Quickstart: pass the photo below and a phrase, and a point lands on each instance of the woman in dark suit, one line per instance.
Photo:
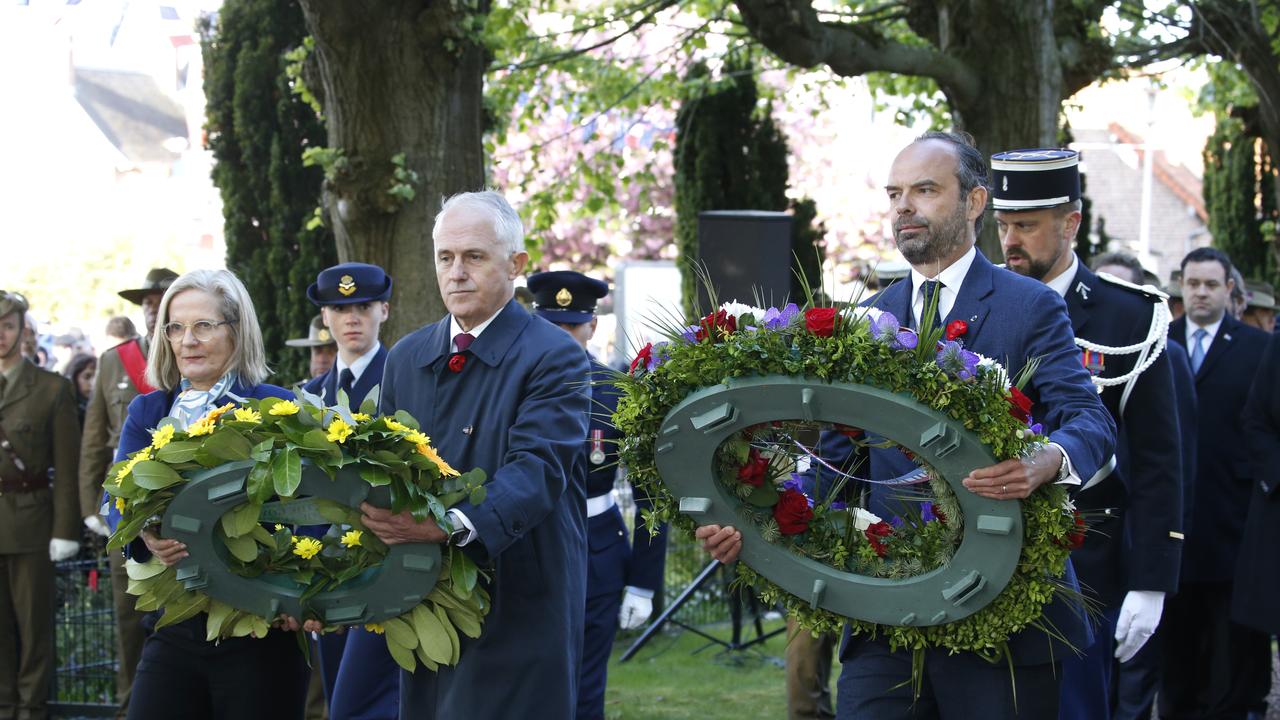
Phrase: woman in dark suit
(207, 351)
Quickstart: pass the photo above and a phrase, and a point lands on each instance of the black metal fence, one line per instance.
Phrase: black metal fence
(84, 684)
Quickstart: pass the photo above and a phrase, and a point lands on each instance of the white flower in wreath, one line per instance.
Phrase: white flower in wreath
(863, 519)
(861, 314)
(737, 310)
(992, 366)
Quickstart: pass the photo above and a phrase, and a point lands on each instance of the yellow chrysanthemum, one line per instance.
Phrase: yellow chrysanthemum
(279, 527)
(203, 426)
(248, 415)
(120, 504)
(375, 628)
(285, 407)
(396, 426)
(417, 438)
(219, 412)
(351, 538)
(339, 431)
(433, 456)
(361, 417)
(307, 547)
(161, 437)
(144, 454)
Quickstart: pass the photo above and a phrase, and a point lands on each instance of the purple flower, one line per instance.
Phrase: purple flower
(926, 512)
(1037, 428)
(956, 361)
(795, 482)
(774, 318)
(895, 521)
(691, 333)
(886, 329)
(839, 505)
(661, 353)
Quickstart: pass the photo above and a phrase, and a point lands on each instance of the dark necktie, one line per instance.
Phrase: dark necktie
(932, 296)
(345, 380)
(463, 341)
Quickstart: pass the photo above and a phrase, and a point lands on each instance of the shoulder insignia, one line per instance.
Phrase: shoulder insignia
(1151, 292)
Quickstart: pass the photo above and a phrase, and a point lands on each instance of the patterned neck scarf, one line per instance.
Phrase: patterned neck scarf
(192, 404)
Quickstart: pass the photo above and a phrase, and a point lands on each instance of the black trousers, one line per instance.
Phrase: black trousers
(237, 679)
(875, 685)
(1214, 669)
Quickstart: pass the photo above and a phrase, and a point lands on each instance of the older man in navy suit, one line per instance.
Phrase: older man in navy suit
(938, 192)
(1214, 667)
(500, 390)
(1130, 558)
(621, 579)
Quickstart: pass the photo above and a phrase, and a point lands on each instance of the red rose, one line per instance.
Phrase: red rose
(849, 432)
(457, 362)
(820, 321)
(792, 512)
(1075, 538)
(754, 471)
(643, 357)
(1021, 405)
(716, 325)
(956, 328)
(874, 534)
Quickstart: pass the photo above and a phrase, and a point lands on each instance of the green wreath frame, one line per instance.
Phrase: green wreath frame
(742, 347)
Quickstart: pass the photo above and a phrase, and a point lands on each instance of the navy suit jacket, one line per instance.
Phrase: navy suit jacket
(1257, 583)
(326, 386)
(518, 409)
(612, 566)
(1013, 320)
(1135, 513)
(1225, 468)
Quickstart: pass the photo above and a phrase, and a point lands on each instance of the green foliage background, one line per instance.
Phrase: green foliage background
(258, 129)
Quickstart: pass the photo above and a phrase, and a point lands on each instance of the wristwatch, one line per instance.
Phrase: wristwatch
(458, 534)
(1064, 470)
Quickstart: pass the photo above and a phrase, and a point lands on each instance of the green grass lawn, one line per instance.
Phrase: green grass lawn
(683, 676)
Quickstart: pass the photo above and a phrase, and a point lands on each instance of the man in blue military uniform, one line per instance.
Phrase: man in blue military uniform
(1130, 559)
(568, 299)
(1213, 666)
(361, 679)
(937, 191)
(502, 391)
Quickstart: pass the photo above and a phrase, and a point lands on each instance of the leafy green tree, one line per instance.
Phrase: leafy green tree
(1234, 197)
(257, 130)
(728, 156)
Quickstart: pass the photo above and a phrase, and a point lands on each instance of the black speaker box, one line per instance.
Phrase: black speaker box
(746, 253)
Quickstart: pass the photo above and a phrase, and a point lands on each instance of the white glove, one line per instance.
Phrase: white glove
(636, 608)
(1139, 616)
(60, 550)
(97, 525)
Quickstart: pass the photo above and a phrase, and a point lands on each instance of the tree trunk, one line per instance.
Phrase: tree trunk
(1014, 50)
(399, 76)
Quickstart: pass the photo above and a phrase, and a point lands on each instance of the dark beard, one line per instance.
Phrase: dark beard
(935, 243)
(1035, 269)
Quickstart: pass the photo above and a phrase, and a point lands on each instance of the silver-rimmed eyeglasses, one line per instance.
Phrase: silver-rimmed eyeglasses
(201, 330)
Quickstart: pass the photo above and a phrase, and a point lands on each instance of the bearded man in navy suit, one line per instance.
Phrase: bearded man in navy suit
(938, 191)
(498, 389)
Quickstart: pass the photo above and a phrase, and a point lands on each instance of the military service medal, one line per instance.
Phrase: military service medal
(597, 446)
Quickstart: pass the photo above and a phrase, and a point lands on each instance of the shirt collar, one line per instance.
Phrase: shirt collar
(951, 277)
(455, 329)
(358, 367)
(11, 375)
(1211, 330)
(1062, 283)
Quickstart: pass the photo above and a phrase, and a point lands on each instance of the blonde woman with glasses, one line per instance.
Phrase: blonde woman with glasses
(207, 351)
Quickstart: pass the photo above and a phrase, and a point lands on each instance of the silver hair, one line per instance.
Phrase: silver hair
(508, 230)
(248, 359)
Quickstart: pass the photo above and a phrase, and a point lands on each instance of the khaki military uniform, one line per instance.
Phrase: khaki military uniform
(108, 406)
(38, 414)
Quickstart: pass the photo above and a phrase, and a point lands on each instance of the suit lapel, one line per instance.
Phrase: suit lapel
(970, 305)
(896, 299)
(21, 386)
(1079, 302)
